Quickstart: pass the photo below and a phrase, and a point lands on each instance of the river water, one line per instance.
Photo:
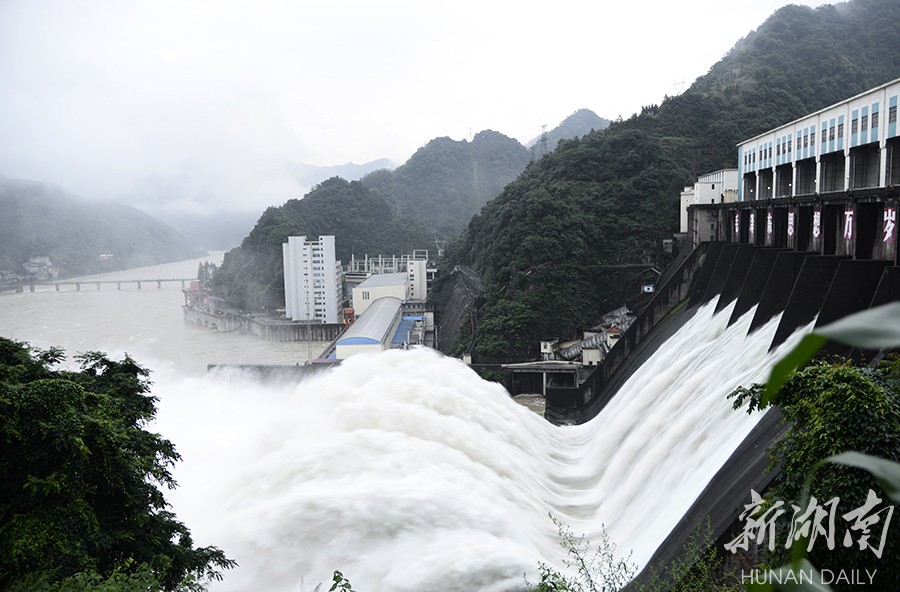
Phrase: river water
(404, 469)
(146, 323)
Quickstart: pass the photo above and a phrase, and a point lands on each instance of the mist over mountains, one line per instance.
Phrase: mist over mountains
(80, 236)
(434, 193)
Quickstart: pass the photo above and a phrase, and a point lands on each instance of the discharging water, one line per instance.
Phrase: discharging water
(405, 470)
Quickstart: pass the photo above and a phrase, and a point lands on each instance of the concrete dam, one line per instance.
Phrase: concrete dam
(826, 259)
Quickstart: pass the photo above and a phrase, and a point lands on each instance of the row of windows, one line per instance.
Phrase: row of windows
(862, 124)
(828, 134)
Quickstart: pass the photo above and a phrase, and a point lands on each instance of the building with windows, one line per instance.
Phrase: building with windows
(824, 183)
(380, 285)
(716, 187)
(420, 271)
(313, 280)
(851, 145)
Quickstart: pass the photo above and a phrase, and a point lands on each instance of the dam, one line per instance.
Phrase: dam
(406, 471)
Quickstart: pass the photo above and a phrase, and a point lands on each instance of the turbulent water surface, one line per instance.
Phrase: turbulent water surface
(404, 469)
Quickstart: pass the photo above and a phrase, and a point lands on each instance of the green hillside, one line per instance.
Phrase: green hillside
(252, 275)
(601, 199)
(577, 124)
(447, 181)
(40, 220)
(433, 195)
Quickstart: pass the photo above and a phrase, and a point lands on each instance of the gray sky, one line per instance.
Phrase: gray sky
(193, 103)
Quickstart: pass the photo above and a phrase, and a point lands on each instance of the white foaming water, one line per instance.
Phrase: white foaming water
(406, 471)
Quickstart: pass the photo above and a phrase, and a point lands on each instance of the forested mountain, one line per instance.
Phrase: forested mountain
(447, 181)
(600, 199)
(38, 220)
(252, 275)
(388, 212)
(575, 125)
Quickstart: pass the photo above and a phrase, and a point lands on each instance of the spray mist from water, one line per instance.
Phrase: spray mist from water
(408, 472)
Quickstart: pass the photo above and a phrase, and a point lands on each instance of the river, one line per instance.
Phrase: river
(146, 323)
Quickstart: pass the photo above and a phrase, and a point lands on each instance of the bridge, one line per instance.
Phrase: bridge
(118, 283)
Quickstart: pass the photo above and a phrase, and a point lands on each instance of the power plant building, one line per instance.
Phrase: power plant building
(313, 280)
(380, 285)
(716, 187)
(848, 146)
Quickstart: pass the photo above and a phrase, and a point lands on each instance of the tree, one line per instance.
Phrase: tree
(80, 493)
(842, 448)
(833, 408)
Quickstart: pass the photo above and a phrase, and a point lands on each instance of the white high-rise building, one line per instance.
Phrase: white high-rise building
(313, 280)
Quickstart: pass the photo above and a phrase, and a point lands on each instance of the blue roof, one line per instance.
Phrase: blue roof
(401, 336)
(372, 326)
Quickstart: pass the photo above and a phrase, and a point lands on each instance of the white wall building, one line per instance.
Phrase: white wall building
(417, 271)
(853, 144)
(717, 187)
(312, 280)
(378, 286)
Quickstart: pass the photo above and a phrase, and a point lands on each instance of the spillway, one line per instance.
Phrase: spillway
(408, 472)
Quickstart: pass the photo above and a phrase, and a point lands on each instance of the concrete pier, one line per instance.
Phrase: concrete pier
(777, 288)
(268, 329)
(755, 281)
(737, 272)
(807, 295)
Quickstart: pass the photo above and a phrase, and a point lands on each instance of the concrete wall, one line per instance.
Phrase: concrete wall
(269, 331)
(364, 296)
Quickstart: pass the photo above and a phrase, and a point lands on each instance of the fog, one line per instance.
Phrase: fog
(178, 108)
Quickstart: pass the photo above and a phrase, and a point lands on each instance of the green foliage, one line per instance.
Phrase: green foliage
(870, 329)
(81, 474)
(697, 569)
(139, 579)
(39, 220)
(887, 473)
(602, 199)
(538, 246)
(446, 181)
(837, 411)
(833, 409)
(340, 583)
(597, 568)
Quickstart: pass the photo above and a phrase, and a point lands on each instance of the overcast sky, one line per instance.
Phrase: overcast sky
(194, 103)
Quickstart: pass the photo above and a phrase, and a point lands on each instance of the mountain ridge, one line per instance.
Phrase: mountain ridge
(604, 198)
(43, 220)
